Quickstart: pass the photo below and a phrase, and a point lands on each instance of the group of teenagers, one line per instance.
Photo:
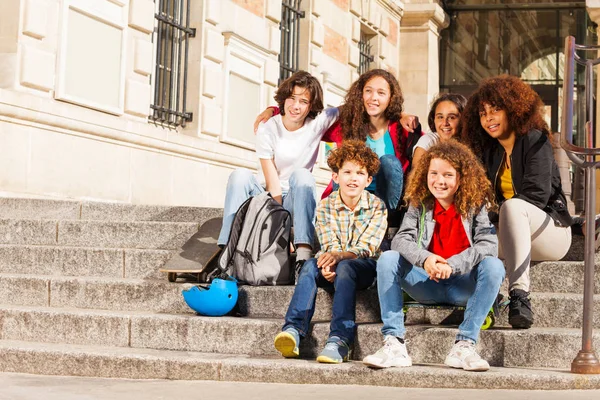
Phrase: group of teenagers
(481, 186)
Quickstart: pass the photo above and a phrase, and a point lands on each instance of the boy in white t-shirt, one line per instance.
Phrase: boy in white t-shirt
(287, 147)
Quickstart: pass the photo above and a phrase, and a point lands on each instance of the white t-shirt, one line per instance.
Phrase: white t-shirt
(292, 150)
(427, 141)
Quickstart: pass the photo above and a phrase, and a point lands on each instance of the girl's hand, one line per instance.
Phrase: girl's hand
(408, 122)
(263, 117)
(433, 267)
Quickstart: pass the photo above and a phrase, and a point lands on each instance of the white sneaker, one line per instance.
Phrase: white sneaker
(392, 354)
(463, 355)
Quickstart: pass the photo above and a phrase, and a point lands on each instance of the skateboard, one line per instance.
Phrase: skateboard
(198, 256)
(488, 323)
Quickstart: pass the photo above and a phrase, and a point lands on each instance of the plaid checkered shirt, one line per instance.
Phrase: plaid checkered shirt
(359, 231)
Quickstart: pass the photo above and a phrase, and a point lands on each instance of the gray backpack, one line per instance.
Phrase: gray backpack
(258, 249)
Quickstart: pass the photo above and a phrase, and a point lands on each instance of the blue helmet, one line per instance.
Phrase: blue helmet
(215, 300)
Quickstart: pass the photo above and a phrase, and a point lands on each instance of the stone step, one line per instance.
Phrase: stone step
(26, 208)
(128, 363)
(551, 309)
(138, 235)
(536, 348)
(83, 261)
(559, 277)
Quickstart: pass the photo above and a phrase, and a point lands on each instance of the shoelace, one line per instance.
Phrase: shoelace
(524, 301)
(467, 348)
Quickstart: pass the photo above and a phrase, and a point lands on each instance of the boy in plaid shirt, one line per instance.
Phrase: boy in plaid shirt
(351, 224)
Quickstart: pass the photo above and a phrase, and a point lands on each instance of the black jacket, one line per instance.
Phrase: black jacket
(535, 175)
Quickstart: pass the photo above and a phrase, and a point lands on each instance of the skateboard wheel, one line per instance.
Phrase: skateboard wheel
(203, 277)
(489, 322)
(172, 276)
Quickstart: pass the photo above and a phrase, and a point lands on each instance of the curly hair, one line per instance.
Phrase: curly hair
(474, 188)
(353, 116)
(457, 99)
(357, 152)
(304, 80)
(523, 106)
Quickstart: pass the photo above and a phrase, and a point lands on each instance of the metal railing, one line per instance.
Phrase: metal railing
(170, 81)
(586, 361)
(290, 36)
(366, 58)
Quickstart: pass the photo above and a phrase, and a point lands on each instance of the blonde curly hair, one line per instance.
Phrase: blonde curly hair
(474, 190)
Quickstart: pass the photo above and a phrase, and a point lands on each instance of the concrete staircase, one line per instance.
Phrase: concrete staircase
(80, 294)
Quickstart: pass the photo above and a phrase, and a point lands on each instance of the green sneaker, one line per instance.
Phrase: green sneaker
(335, 351)
(287, 343)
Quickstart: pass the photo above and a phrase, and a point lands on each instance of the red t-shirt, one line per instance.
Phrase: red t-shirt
(449, 236)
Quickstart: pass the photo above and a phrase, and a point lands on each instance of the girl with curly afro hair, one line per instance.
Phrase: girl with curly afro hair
(444, 253)
(503, 122)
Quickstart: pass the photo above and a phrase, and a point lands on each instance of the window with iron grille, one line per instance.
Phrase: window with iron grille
(172, 35)
(366, 58)
(290, 37)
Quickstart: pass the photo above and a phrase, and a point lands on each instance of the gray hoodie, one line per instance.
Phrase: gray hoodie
(418, 225)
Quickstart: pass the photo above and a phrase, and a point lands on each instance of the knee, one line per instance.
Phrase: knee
(302, 178)
(493, 269)
(239, 178)
(389, 162)
(511, 206)
(344, 270)
(388, 263)
(309, 268)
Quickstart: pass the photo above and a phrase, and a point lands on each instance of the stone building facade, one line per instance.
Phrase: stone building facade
(78, 79)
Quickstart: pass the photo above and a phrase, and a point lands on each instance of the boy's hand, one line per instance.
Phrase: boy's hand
(328, 273)
(263, 117)
(437, 268)
(328, 260)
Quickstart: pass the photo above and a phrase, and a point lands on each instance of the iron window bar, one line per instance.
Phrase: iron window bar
(586, 361)
(290, 36)
(172, 48)
(365, 58)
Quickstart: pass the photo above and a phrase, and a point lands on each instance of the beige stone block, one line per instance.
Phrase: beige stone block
(8, 66)
(356, 7)
(355, 30)
(35, 18)
(213, 11)
(211, 117)
(335, 45)
(385, 26)
(185, 171)
(353, 56)
(212, 82)
(14, 142)
(213, 45)
(141, 15)
(271, 71)
(137, 98)
(274, 10)
(256, 7)
(315, 56)
(274, 39)
(75, 166)
(150, 178)
(355, 75)
(317, 34)
(37, 68)
(319, 7)
(142, 59)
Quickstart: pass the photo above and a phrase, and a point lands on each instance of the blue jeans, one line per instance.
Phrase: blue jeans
(351, 275)
(389, 181)
(300, 201)
(476, 290)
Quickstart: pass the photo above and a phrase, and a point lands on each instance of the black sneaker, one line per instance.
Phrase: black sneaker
(520, 315)
(297, 267)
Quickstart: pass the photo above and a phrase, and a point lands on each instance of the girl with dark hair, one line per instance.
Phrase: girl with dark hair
(444, 122)
(287, 147)
(372, 112)
(504, 124)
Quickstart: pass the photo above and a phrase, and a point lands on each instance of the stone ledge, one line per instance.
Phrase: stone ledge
(45, 359)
